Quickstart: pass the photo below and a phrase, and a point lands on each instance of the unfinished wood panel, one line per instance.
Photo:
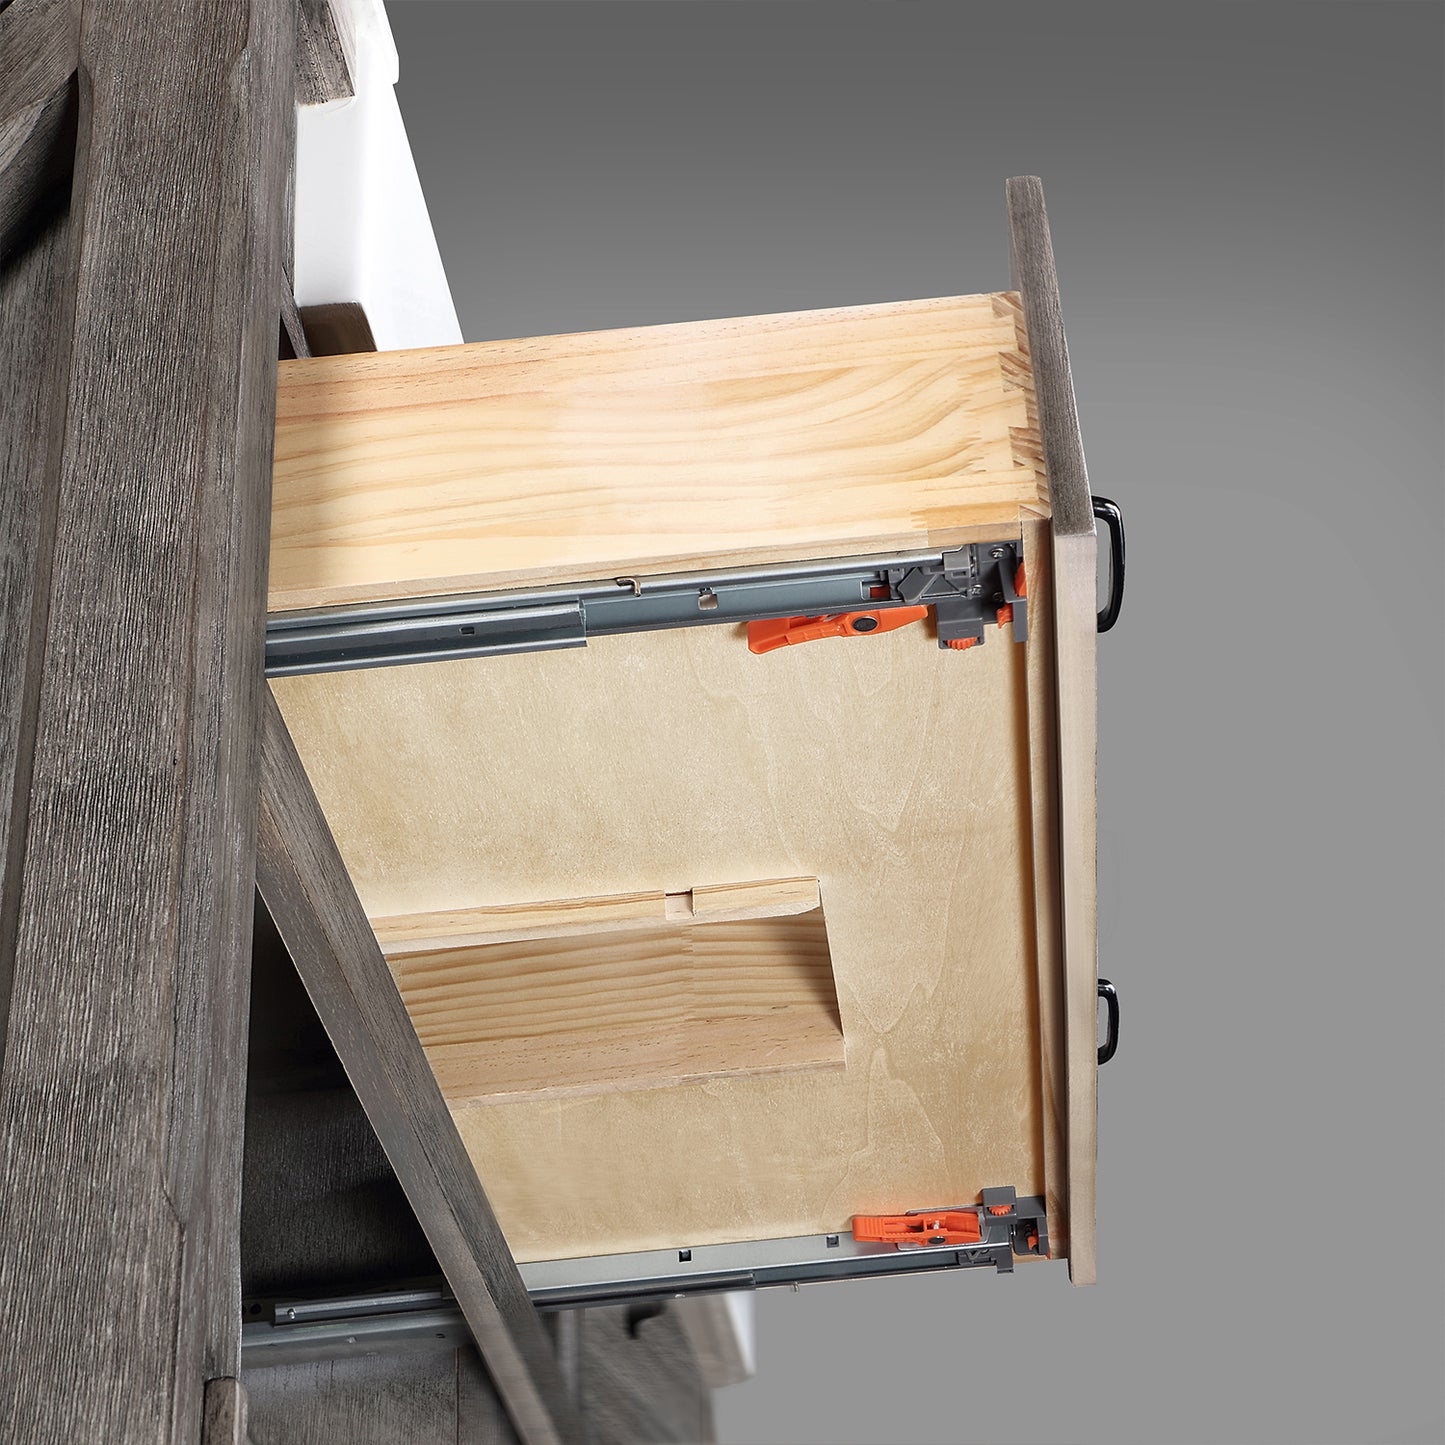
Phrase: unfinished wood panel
(638, 1003)
(559, 917)
(811, 434)
(305, 886)
(120, 1089)
(1048, 943)
(892, 771)
(1073, 562)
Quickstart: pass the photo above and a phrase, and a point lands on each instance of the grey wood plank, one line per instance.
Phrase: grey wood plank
(1037, 281)
(481, 1420)
(402, 1399)
(120, 1109)
(37, 158)
(224, 1420)
(35, 293)
(40, 42)
(641, 1386)
(325, 51)
(293, 333)
(205, 1165)
(306, 889)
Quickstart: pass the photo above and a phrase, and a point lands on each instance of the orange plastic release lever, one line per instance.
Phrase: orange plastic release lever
(947, 1226)
(779, 632)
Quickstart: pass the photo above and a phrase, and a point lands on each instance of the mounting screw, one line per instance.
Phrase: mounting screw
(997, 553)
(975, 591)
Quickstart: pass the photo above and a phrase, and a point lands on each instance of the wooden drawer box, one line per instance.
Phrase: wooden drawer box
(708, 946)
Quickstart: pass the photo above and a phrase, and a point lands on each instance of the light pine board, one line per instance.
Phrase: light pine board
(1075, 564)
(893, 772)
(559, 917)
(714, 443)
(625, 1007)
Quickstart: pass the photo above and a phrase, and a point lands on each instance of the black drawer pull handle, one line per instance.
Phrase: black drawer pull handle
(1110, 1046)
(1109, 514)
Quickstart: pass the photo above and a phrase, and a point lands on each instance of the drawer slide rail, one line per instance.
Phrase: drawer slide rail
(966, 586)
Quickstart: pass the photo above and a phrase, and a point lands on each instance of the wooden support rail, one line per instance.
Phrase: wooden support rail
(304, 884)
(137, 395)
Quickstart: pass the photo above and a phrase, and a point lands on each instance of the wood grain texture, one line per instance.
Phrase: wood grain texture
(325, 51)
(309, 895)
(40, 43)
(1037, 284)
(139, 832)
(35, 292)
(223, 1421)
(628, 1007)
(1073, 562)
(641, 1382)
(1043, 786)
(396, 1399)
(293, 334)
(37, 158)
(642, 1386)
(561, 917)
(892, 771)
(813, 434)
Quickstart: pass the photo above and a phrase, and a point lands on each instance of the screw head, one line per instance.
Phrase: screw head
(998, 553)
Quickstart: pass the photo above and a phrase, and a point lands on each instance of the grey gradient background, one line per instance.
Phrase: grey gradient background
(1246, 202)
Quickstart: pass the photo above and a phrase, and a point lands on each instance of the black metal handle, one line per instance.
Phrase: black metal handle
(1110, 1046)
(1109, 514)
